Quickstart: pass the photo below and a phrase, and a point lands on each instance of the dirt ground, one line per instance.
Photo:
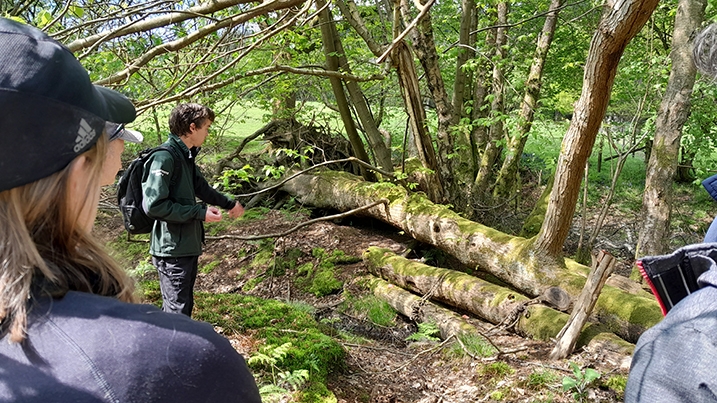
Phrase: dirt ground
(388, 369)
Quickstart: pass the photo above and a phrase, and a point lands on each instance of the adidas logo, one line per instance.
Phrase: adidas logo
(84, 135)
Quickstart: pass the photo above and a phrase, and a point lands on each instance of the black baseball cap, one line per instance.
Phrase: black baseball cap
(50, 112)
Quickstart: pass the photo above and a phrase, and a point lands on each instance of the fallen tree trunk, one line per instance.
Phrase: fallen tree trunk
(419, 310)
(511, 259)
(491, 302)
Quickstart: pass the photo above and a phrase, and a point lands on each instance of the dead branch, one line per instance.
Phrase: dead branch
(304, 224)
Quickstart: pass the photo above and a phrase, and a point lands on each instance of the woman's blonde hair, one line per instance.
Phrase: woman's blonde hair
(45, 249)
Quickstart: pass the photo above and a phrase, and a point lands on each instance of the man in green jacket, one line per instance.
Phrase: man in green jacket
(170, 197)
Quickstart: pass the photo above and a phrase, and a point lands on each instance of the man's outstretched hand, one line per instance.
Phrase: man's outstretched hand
(237, 211)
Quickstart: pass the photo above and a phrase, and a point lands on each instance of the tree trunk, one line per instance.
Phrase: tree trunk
(466, 51)
(496, 132)
(620, 23)
(507, 181)
(332, 64)
(408, 79)
(375, 139)
(420, 310)
(454, 173)
(511, 259)
(491, 302)
(674, 111)
(482, 87)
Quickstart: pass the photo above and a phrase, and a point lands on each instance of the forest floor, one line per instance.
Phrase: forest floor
(383, 366)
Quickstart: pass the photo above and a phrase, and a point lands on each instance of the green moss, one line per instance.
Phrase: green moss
(496, 370)
(209, 267)
(618, 384)
(265, 255)
(288, 261)
(542, 322)
(217, 227)
(476, 345)
(320, 278)
(255, 213)
(317, 392)
(325, 283)
(249, 285)
(276, 323)
(377, 310)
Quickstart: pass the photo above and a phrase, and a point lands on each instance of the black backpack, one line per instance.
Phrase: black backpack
(129, 191)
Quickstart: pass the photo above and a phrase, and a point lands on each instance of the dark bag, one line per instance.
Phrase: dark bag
(710, 185)
(673, 277)
(129, 191)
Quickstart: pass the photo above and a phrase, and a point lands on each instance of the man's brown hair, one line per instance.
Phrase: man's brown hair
(183, 115)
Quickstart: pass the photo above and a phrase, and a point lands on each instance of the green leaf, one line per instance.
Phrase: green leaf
(43, 18)
(591, 375)
(77, 11)
(569, 383)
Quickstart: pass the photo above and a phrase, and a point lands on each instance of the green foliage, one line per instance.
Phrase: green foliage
(476, 345)
(217, 227)
(288, 261)
(375, 309)
(209, 267)
(129, 253)
(150, 292)
(579, 383)
(270, 357)
(142, 269)
(617, 383)
(320, 278)
(255, 213)
(265, 253)
(498, 369)
(426, 332)
(231, 180)
(541, 378)
(277, 323)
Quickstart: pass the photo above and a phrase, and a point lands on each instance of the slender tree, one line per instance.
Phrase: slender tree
(674, 111)
(620, 22)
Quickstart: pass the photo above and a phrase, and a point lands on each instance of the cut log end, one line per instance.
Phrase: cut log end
(557, 298)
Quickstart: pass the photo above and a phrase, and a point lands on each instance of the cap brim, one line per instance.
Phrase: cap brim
(133, 136)
(114, 107)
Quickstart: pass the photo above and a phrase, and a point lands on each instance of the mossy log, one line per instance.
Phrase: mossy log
(511, 259)
(448, 322)
(488, 301)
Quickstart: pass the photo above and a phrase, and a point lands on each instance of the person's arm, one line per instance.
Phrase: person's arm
(158, 172)
(210, 195)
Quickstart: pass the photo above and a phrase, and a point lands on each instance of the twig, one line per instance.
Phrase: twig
(399, 38)
(304, 224)
(427, 351)
(349, 159)
(375, 348)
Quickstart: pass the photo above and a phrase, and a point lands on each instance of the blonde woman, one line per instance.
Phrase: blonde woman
(70, 330)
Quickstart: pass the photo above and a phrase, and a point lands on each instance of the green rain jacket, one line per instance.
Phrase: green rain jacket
(179, 229)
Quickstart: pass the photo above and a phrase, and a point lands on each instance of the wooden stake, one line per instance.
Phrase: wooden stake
(602, 266)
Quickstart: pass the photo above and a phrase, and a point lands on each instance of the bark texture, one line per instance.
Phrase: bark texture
(513, 260)
(674, 111)
(507, 181)
(493, 303)
(620, 22)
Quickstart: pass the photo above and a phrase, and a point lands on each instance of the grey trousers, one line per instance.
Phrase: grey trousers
(176, 280)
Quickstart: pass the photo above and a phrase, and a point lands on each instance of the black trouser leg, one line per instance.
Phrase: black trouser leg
(176, 280)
